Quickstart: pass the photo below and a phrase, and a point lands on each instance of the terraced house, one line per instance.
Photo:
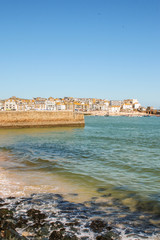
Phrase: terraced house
(69, 104)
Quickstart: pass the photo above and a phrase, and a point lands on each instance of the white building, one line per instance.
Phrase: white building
(50, 105)
(105, 106)
(114, 109)
(136, 104)
(127, 106)
(1, 105)
(60, 106)
(10, 105)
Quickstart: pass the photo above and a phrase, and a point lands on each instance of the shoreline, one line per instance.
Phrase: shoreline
(126, 114)
(50, 216)
(56, 216)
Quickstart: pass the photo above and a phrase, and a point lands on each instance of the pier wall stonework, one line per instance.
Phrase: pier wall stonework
(24, 119)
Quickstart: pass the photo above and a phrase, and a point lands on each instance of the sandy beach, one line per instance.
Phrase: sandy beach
(127, 114)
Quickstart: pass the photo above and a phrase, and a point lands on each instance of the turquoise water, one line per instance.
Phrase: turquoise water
(118, 156)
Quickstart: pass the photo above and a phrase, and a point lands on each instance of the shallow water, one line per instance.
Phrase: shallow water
(111, 158)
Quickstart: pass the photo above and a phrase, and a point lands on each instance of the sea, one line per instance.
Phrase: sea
(112, 163)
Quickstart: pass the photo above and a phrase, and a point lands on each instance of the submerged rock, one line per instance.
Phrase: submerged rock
(101, 189)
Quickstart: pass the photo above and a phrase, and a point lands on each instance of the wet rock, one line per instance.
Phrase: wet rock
(3, 204)
(56, 235)
(67, 237)
(5, 213)
(43, 230)
(7, 224)
(62, 230)
(36, 215)
(83, 217)
(71, 224)
(11, 234)
(108, 236)
(21, 222)
(98, 225)
(56, 225)
(73, 229)
(37, 225)
(10, 198)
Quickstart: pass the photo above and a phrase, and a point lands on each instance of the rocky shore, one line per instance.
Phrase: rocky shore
(50, 216)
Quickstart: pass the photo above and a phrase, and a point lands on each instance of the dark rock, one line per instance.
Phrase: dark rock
(43, 230)
(94, 198)
(67, 237)
(62, 230)
(108, 236)
(32, 212)
(101, 189)
(7, 224)
(98, 225)
(37, 225)
(36, 215)
(58, 196)
(73, 194)
(5, 213)
(75, 223)
(11, 234)
(73, 229)
(56, 225)
(21, 222)
(3, 204)
(11, 197)
(83, 217)
(56, 235)
(106, 195)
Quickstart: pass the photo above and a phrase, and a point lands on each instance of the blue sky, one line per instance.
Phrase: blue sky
(81, 48)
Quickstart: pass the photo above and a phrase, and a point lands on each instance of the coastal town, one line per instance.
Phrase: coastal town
(90, 106)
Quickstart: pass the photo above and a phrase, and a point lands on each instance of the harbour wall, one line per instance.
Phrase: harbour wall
(25, 119)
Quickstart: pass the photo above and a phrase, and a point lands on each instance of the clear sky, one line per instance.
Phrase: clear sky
(80, 48)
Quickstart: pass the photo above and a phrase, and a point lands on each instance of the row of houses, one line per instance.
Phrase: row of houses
(68, 103)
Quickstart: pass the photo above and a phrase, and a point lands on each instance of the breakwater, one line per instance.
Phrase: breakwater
(27, 119)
